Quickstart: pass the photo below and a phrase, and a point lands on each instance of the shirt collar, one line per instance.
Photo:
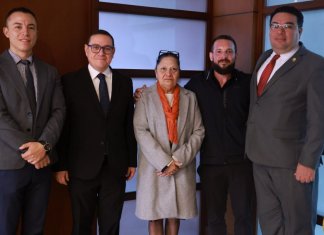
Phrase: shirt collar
(17, 59)
(286, 55)
(93, 72)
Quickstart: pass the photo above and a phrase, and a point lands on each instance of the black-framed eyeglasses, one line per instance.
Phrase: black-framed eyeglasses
(166, 52)
(95, 48)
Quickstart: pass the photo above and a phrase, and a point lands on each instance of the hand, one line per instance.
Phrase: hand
(35, 152)
(170, 170)
(62, 177)
(138, 93)
(130, 173)
(304, 174)
(43, 163)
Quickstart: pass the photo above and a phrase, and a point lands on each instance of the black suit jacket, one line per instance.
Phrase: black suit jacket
(86, 130)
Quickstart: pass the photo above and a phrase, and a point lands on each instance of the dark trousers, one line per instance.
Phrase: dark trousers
(24, 194)
(104, 196)
(237, 181)
(284, 205)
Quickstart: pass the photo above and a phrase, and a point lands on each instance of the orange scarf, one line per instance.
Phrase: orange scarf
(171, 113)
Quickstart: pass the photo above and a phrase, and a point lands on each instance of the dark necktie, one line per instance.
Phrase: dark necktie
(30, 86)
(266, 74)
(103, 93)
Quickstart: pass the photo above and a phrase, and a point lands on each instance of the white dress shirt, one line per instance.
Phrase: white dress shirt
(280, 61)
(94, 73)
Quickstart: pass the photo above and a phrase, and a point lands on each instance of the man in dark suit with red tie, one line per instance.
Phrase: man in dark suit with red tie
(97, 148)
(285, 131)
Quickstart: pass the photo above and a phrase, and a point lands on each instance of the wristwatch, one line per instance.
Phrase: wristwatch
(47, 146)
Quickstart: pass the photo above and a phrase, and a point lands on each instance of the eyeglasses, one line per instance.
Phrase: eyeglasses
(107, 50)
(165, 52)
(276, 26)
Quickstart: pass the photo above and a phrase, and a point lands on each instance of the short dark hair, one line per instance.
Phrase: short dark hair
(291, 10)
(103, 32)
(19, 9)
(164, 53)
(226, 37)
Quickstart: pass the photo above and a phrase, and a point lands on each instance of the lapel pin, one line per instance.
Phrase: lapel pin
(294, 59)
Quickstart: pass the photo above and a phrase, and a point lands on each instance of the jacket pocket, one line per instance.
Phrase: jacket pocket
(286, 134)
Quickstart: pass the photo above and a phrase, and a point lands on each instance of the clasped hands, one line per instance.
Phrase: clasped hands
(35, 154)
(171, 169)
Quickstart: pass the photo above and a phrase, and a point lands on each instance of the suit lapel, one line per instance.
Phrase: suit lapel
(254, 81)
(88, 89)
(14, 75)
(160, 116)
(261, 61)
(281, 71)
(183, 112)
(116, 83)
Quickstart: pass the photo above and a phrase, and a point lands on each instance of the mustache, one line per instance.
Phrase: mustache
(224, 60)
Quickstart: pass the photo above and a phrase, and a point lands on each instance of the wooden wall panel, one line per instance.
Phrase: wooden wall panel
(238, 19)
(230, 7)
(241, 28)
(63, 27)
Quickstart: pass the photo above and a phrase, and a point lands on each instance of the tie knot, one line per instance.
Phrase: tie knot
(25, 62)
(101, 76)
(275, 57)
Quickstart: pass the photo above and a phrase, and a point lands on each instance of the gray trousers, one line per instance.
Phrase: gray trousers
(284, 205)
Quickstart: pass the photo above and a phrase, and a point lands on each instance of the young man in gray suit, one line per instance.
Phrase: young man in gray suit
(285, 132)
(32, 113)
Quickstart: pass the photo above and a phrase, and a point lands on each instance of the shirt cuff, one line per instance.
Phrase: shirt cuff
(177, 162)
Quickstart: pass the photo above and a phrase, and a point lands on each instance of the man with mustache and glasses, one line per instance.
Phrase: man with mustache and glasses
(223, 98)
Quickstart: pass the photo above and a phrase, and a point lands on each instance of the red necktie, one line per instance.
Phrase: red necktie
(266, 74)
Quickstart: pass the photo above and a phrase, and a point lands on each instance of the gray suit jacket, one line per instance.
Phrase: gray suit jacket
(286, 123)
(16, 119)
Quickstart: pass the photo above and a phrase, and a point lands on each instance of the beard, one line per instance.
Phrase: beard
(226, 70)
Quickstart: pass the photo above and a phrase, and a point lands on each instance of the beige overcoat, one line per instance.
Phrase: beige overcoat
(169, 196)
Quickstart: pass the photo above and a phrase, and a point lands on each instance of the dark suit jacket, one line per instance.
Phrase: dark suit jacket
(286, 123)
(82, 145)
(16, 118)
